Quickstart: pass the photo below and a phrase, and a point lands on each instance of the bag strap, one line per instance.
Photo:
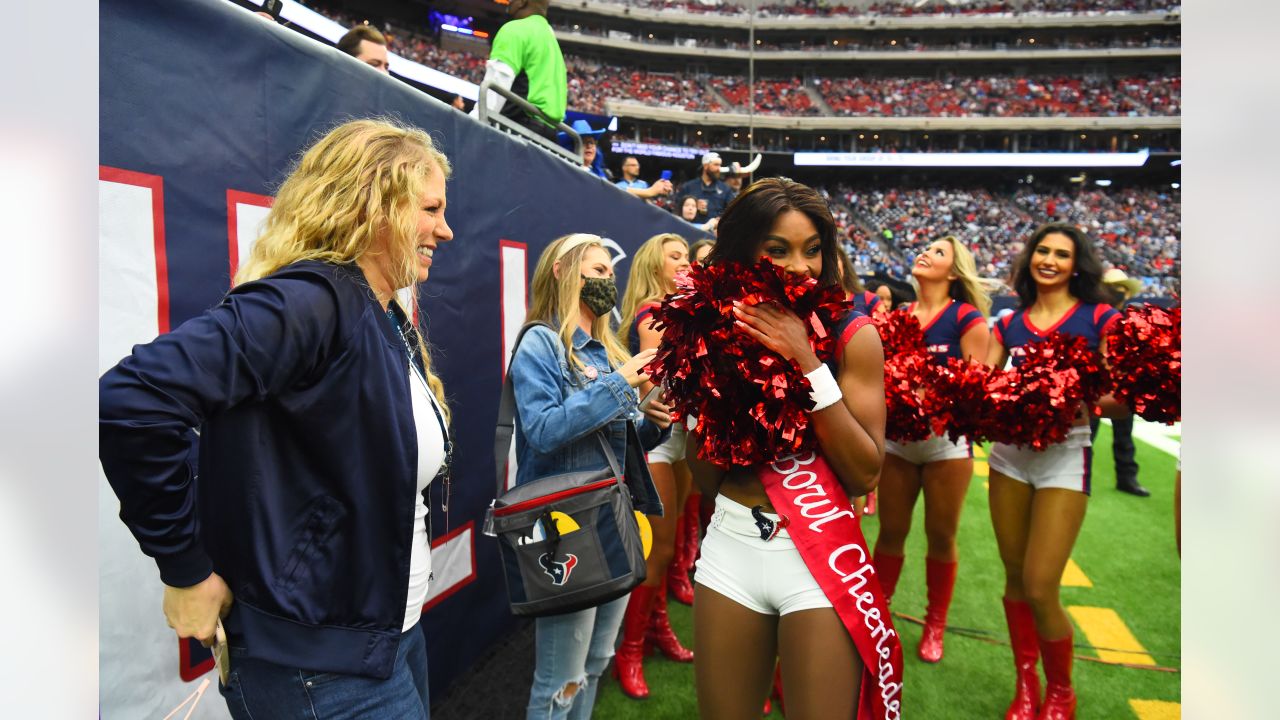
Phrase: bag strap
(507, 420)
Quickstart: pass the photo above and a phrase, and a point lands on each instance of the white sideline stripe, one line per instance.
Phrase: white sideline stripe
(451, 563)
(1156, 435)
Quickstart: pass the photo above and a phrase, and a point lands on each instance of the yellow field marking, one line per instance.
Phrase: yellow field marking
(981, 469)
(1108, 633)
(978, 452)
(986, 486)
(1073, 576)
(1156, 709)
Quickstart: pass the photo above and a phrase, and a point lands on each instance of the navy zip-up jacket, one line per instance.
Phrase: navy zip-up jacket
(308, 456)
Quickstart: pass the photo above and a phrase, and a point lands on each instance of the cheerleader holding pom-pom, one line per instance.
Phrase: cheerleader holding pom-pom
(951, 309)
(1038, 497)
(787, 384)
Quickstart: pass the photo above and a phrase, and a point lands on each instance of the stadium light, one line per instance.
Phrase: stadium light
(971, 159)
(1175, 186)
(1102, 183)
(1175, 163)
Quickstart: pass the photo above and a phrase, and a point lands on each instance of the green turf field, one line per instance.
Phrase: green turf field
(1126, 551)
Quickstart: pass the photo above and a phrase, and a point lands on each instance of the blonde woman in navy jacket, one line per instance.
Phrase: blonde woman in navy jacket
(321, 427)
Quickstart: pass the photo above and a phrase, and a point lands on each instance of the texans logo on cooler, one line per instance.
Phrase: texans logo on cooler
(558, 570)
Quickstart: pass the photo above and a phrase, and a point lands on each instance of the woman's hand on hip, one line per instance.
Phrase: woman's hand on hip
(779, 330)
(633, 369)
(194, 611)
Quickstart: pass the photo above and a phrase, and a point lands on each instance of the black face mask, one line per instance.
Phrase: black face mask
(600, 294)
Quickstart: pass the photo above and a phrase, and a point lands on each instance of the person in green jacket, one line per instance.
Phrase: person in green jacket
(525, 58)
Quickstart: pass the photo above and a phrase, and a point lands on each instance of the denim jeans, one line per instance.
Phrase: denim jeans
(573, 648)
(260, 690)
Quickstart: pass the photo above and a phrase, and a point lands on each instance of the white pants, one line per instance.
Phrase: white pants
(768, 577)
(936, 448)
(671, 451)
(1065, 465)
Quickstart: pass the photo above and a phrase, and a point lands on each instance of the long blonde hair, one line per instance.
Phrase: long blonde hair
(646, 283)
(967, 287)
(360, 178)
(556, 299)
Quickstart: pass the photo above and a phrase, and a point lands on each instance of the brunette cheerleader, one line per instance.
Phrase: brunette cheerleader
(1038, 498)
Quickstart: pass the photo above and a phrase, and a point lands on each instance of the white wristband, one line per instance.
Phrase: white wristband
(826, 391)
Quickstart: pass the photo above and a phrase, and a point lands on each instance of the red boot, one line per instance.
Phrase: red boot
(777, 689)
(686, 550)
(940, 579)
(661, 635)
(628, 665)
(1026, 655)
(888, 568)
(870, 509)
(1059, 698)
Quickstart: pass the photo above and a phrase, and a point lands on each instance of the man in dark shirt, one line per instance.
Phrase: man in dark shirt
(708, 186)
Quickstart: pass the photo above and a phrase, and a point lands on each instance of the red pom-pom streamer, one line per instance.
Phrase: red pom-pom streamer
(957, 400)
(1036, 403)
(752, 405)
(1145, 351)
(908, 368)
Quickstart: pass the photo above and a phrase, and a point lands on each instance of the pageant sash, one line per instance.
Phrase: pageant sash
(822, 523)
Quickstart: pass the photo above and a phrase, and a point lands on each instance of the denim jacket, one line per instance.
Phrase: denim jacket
(558, 410)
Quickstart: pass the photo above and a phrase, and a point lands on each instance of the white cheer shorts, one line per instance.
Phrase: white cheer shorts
(765, 576)
(935, 449)
(1065, 465)
(671, 451)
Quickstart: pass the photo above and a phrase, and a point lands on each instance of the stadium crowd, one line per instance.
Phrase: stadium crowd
(882, 41)
(912, 8)
(592, 83)
(1139, 230)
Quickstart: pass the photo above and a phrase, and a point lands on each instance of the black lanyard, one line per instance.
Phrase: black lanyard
(444, 474)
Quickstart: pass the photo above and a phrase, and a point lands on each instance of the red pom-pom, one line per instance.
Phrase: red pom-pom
(957, 398)
(752, 405)
(1145, 351)
(907, 370)
(1036, 403)
(900, 333)
(905, 376)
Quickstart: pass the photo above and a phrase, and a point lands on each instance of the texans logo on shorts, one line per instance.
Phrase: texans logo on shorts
(768, 528)
(558, 570)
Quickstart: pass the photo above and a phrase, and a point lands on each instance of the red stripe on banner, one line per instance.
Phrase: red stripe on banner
(805, 492)
(470, 578)
(234, 198)
(155, 184)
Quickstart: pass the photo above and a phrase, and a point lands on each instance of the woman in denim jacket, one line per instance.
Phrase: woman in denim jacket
(566, 388)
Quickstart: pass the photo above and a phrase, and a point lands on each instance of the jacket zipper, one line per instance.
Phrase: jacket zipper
(547, 499)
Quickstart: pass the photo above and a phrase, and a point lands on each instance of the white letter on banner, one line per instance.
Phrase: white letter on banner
(246, 217)
(513, 268)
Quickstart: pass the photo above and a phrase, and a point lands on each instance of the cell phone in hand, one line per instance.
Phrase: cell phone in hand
(221, 653)
(666, 175)
(650, 397)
